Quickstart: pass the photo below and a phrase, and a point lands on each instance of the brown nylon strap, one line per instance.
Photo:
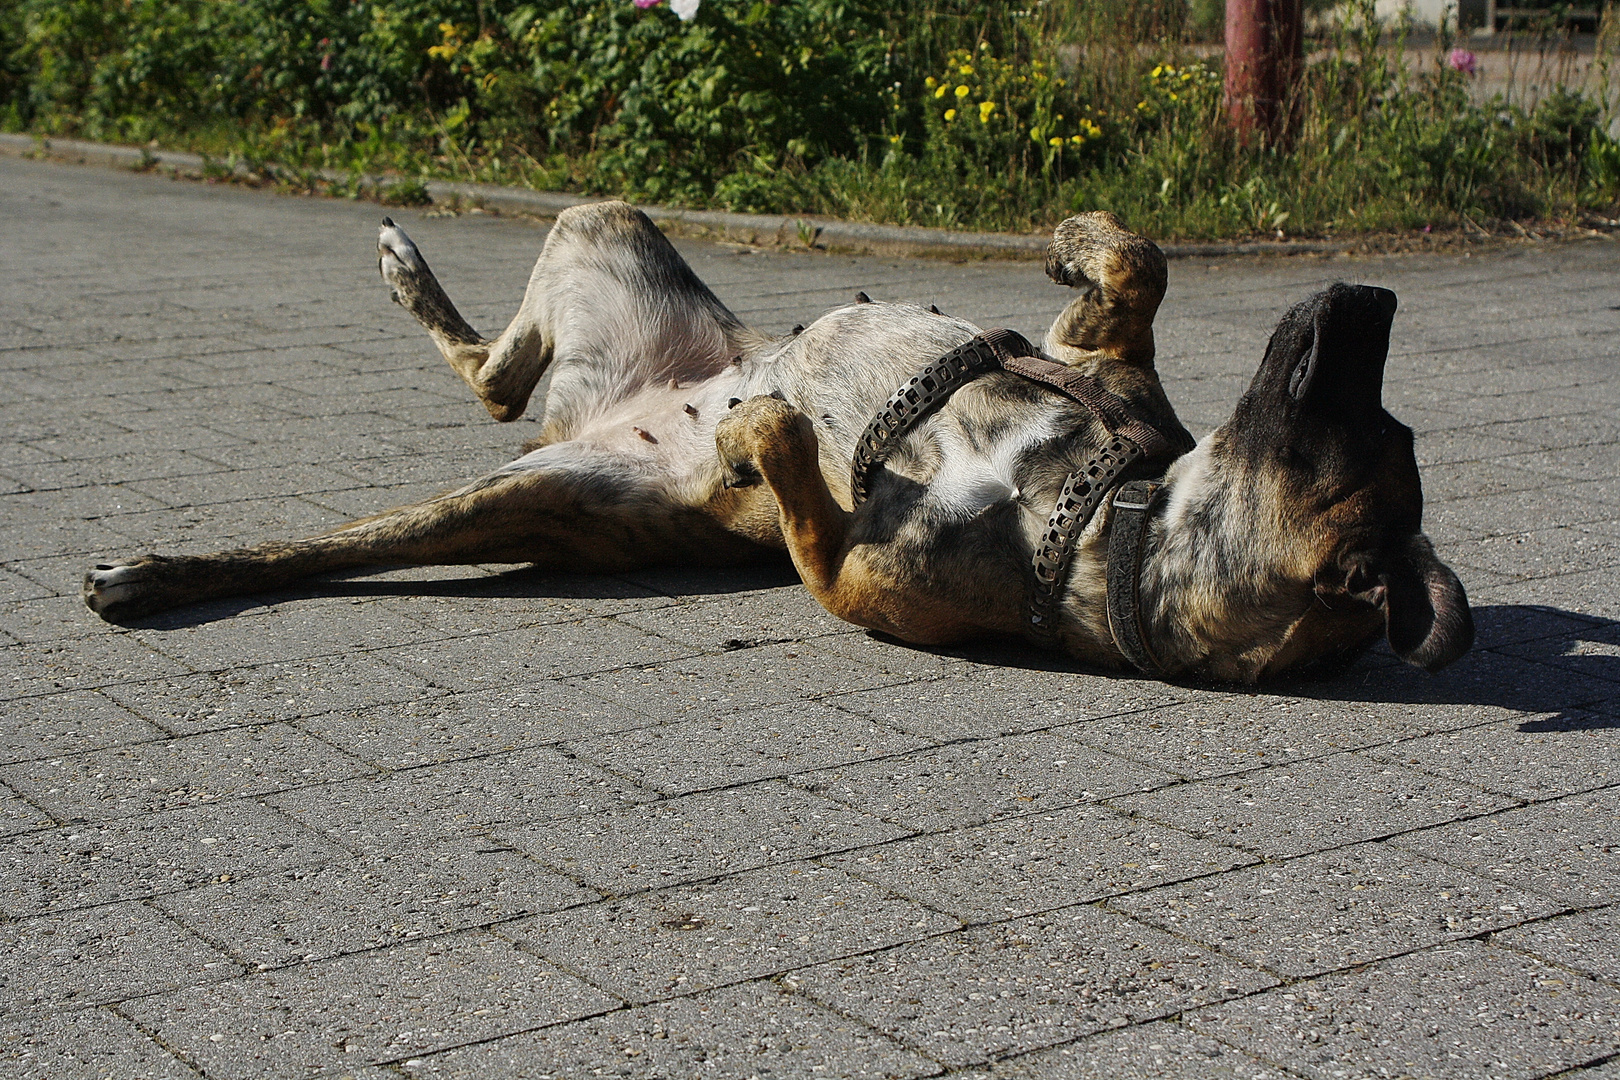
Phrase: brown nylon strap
(923, 393)
(1104, 404)
(1131, 441)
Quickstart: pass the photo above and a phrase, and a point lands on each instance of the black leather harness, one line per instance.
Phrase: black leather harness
(1132, 442)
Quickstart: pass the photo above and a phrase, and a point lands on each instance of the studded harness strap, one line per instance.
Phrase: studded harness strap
(1132, 440)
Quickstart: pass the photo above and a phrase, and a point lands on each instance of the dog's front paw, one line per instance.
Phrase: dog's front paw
(119, 591)
(753, 434)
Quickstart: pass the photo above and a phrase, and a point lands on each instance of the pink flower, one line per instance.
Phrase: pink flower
(645, 4)
(1459, 59)
(326, 62)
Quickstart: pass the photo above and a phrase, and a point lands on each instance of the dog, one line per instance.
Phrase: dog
(1288, 540)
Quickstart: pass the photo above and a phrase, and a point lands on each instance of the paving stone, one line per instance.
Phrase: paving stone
(386, 1005)
(1481, 686)
(710, 685)
(85, 1044)
(60, 724)
(129, 858)
(407, 808)
(1463, 1009)
(983, 701)
(291, 690)
(19, 815)
(1316, 804)
(150, 776)
(29, 670)
(1162, 1050)
(1231, 734)
(1589, 592)
(448, 726)
(696, 754)
(1543, 553)
(517, 599)
(743, 1032)
(1565, 848)
(697, 836)
(1022, 985)
(354, 904)
(1590, 652)
(967, 783)
(746, 619)
(1588, 941)
(1528, 759)
(688, 938)
(1036, 862)
(1334, 909)
(289, 632)
(522, 657)
(100, 954)
(191, 380)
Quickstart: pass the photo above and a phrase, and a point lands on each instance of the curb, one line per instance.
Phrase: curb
(774, 230)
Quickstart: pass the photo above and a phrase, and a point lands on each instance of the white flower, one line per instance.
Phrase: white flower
(686, 9)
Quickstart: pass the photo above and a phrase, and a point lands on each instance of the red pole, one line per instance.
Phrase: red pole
(1262, 61)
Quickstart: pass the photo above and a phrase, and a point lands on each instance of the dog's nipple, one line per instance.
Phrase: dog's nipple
(935, 310)
(690, 410)
(673, 385)
(797, 330)
(862, 298)
(645, 434)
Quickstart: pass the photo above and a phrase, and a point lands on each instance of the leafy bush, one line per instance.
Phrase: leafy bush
(949, 112)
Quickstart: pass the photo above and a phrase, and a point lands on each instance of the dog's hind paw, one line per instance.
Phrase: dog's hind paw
(400, 262)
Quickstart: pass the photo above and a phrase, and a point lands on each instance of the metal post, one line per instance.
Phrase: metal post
(1262, 63)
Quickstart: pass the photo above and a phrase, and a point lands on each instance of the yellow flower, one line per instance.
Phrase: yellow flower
(950, 114)
(894, 140)
(1157, 72)
(985, 109)
(966, 69)
(1076, 139)
(961, 91)
(940, 92)
(1056, 140)
(930, 82)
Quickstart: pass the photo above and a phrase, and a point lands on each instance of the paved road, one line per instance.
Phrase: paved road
(482, 822)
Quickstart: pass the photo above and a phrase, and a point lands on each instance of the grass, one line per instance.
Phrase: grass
(968, 116)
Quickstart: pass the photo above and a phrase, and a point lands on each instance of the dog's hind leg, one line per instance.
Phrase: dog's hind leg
(611, 306)
(568, 508)
(1121, 278)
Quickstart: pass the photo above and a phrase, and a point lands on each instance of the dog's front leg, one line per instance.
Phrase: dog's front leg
(764, 439)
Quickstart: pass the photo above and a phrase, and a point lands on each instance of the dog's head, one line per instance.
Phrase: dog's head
(1308, 511)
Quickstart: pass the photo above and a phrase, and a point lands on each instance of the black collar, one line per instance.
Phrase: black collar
(1133, 509)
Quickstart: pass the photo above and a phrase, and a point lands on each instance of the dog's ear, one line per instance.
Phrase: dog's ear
(1426, 615)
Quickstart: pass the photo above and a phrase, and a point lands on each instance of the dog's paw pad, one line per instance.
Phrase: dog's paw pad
(109, 585)
(397, 256)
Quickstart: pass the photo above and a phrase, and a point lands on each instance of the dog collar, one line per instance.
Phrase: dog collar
(1132, 440)
(1133, 509)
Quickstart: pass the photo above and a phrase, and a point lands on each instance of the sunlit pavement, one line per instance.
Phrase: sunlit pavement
(483, 822)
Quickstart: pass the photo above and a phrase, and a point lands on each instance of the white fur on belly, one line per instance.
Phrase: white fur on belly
(971, 481)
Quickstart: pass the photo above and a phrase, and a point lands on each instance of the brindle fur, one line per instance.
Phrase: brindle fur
(672, 433)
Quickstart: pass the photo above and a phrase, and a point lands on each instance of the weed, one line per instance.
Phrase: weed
(953, 113)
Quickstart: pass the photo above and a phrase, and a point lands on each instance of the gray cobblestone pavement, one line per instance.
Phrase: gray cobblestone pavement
(483, 822)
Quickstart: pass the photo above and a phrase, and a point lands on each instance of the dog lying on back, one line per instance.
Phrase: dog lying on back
(1287, 539)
